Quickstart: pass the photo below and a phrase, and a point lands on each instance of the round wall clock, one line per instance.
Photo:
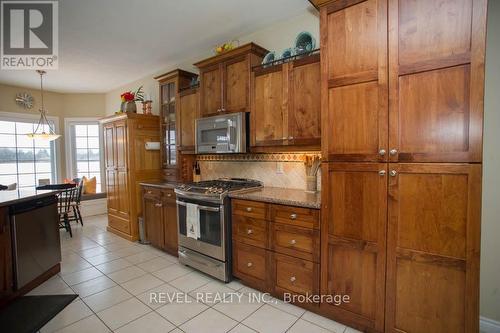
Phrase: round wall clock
(24, 100)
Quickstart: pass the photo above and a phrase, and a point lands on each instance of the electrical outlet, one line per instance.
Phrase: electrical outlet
(279, 168)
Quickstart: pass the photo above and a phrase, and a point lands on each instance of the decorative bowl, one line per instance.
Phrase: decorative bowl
(287, 53)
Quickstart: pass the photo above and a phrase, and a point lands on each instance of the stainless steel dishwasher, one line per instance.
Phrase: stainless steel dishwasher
(35, 238)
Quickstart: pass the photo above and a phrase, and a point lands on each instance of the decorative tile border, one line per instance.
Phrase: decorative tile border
(270, 157)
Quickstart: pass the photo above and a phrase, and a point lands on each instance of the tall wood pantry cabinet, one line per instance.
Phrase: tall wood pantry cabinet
(402, 103)
(127, 163)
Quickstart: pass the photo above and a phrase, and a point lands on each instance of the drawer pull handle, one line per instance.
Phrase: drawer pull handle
(149, 192)
(293, 216)
(293, 242)
(169, 195)
(158, 205)
(249, 209)
(249, 264)
(292, 279)
(249, 231)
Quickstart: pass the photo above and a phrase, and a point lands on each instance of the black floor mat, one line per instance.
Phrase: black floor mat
(28, 314)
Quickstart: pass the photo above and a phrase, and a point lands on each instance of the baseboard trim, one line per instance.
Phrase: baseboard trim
(487, 325)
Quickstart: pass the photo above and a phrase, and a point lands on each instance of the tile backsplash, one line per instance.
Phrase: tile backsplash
(293, 176)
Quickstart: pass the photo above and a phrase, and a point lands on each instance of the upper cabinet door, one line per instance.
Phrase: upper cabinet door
(433, 245)
(189, 102)
(269, 127)
(354, 80)
(236, 85)
(304, 111)
(211, 90)
(436, 74)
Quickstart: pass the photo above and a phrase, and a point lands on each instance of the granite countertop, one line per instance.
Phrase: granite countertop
(161, 184)
(21, 195)
(283, 196)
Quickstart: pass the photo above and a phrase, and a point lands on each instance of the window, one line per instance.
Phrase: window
(85, 151)
(23, 160)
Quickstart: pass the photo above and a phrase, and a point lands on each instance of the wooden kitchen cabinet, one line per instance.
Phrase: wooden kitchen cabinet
(432, 74)
(354, 241)
(152, 214)
(172, 129)
(286, 105)
(225, 80)
(354, 88)
(6, 274)
(127, 163)
(433, 244)
(169, 217)
(436, 78)
(160, 218)
(189, 111)
(402, 89)
(276, 247)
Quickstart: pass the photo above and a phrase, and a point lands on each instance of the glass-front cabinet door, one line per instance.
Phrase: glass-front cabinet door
(168, 116)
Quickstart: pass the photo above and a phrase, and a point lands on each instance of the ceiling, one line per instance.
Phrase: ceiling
(105, 44)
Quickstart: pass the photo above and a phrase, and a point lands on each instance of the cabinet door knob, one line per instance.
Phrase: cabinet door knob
(381, 172)
(293, 242)
(249, 209)
(393, 152)
(393, 173)
(290, 138)
(249, 231)
(249, 264)
(293, 216)
(149, 192)
(292, 279)
(158, 204)
(169, 195)
(381, 152)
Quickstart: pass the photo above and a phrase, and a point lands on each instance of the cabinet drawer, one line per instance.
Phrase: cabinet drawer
(250, 208)
(295, 275)
(298, 216)
(119, 224)
(296, 241)
(170, 174)
(168, 194)
(249, 261)
(152, 192)
(250, 231)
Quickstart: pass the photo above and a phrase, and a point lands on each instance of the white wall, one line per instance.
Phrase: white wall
(490, 233)
(276, 37)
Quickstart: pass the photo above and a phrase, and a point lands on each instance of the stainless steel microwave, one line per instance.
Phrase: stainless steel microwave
(222, 134)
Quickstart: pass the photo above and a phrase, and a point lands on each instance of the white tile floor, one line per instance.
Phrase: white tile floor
(114, 279)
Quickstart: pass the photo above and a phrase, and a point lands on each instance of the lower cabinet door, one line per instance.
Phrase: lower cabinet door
(170, 231)
(433, 248)
(353, 231)
(294, 275)
(153, 221)
(251, 265)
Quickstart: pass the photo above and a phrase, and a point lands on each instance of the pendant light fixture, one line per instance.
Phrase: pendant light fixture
(43, 123)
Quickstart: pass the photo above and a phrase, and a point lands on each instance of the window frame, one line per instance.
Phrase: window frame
(70, 146)
(25, 117)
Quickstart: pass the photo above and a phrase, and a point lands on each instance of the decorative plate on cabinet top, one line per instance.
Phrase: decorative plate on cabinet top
(269, 58)
(304, 42)
(24, 100)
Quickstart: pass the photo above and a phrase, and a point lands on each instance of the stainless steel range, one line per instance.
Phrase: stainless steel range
(203, 218)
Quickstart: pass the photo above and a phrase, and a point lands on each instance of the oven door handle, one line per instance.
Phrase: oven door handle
(200, 207)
